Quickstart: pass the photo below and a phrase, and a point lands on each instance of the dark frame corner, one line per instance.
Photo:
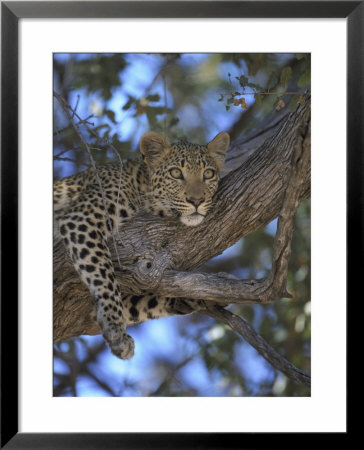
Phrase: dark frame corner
(11, 12)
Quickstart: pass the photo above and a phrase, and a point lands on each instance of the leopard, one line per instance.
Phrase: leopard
(175, 180)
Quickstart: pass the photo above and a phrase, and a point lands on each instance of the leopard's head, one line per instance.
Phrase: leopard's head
(183, 177)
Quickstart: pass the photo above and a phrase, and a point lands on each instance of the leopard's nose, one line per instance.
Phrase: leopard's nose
(195, 201)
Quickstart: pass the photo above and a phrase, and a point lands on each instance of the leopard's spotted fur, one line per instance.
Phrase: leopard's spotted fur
(175, 180)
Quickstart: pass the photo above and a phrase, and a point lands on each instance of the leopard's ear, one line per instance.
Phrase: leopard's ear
(217, 148)
(154, 148)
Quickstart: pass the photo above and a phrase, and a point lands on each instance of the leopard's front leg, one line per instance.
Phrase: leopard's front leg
(91, 258)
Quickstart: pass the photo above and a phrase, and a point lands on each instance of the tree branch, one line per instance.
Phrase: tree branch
(244, 329)
(276, 282)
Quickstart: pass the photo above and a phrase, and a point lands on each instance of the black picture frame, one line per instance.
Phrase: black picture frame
(11, 12)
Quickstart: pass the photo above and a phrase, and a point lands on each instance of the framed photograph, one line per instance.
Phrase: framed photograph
(178, 189)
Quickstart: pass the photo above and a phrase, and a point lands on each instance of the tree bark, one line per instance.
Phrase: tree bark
(159, 254)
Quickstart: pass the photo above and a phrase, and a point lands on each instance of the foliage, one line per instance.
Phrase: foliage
(186, 96)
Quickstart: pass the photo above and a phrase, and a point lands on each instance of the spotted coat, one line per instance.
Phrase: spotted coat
(169, 180)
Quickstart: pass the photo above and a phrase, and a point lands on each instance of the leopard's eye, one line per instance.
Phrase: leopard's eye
(208, 174)
(176, 173)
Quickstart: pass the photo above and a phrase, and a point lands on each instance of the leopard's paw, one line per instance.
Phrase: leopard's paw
(122, 347)
(120, 343)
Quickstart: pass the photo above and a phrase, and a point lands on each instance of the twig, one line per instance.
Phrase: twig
(64, 158)
(76, 106)
(62, 130)
(68, 150)
(160, 72)
(169, 377)
(165, 105)
(270, 93)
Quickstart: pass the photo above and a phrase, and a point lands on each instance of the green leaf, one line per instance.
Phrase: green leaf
(255, 86)
(286, 75)
(111, 116)
(153, 97)
(115, 140)
(173, 121)
(243, 80)
(221, 98)
(305, 79)
(157, 110)
(106, 135)
(129, 103)
(100, 127)
(230, 100)
(227, 107)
